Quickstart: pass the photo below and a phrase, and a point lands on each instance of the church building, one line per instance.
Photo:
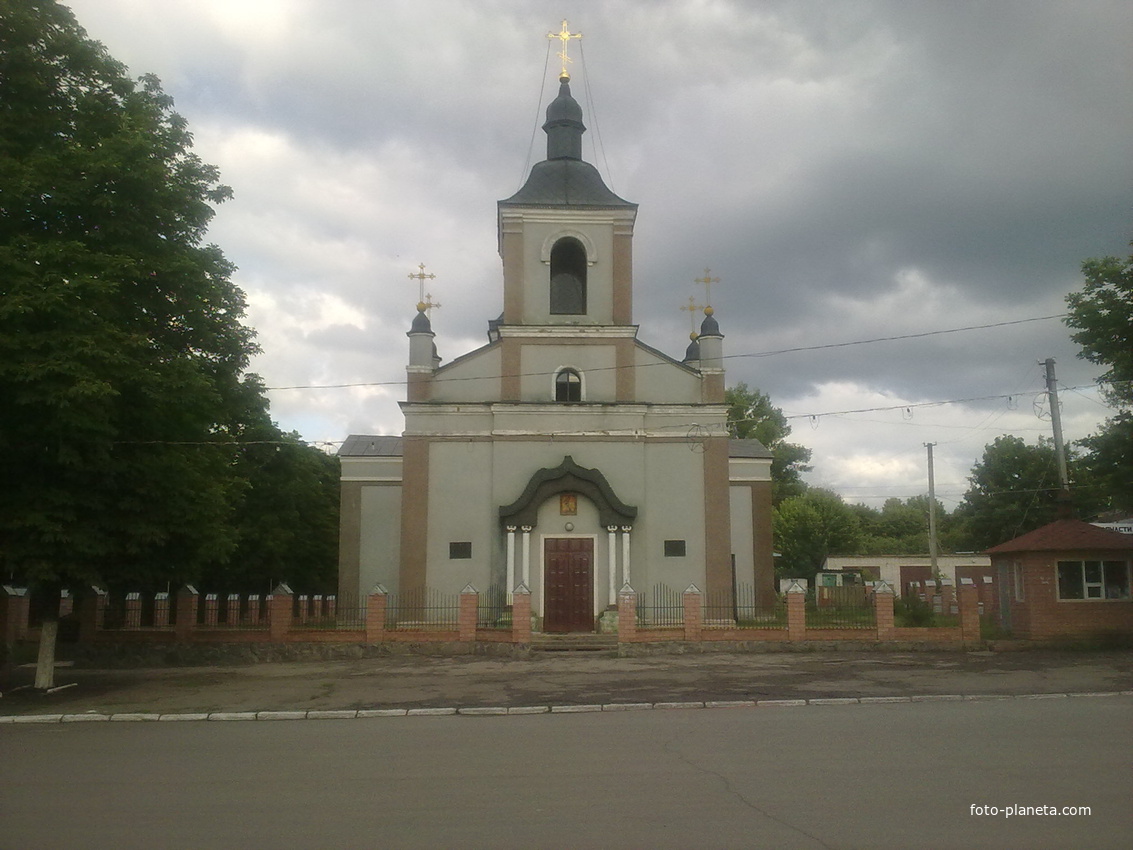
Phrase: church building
(565, 455)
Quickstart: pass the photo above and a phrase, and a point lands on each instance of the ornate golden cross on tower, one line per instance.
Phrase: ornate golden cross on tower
(564, 35)
(426, 304)
(421, 277)
(707, 281)
(691, 309)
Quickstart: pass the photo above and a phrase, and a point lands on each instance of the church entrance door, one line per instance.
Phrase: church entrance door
(568, 584)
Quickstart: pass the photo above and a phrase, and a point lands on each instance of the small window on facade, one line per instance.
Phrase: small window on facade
(568, 386)
(460, 550)
(568, 278)
(674, 548)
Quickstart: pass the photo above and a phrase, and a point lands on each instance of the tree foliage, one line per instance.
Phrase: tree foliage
(810, 527)
(130, 431)
(1014, 489)
(1102, 313)
(752, 416)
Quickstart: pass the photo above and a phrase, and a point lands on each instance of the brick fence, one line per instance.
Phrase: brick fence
(283, 618)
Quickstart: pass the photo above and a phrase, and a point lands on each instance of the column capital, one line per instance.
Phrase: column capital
(613, 529)
(626, 529)
(511, 529)
(527, 529)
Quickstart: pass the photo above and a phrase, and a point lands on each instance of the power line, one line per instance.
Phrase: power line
(771, 353)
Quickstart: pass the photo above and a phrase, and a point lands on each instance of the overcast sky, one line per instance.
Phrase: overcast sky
(850, 170)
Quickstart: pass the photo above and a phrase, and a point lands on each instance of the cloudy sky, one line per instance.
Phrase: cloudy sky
(850, 170)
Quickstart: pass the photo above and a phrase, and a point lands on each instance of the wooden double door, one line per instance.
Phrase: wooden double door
(568, 584)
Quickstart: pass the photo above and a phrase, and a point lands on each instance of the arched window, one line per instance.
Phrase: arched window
(568, 277)
(568, 386)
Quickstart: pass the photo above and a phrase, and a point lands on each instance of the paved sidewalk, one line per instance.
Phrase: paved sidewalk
(470, 682)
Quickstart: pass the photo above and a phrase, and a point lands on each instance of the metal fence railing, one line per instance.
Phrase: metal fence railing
(494, 609)
(329, 612)
(840, 608)
(417, 610)
(661, 607)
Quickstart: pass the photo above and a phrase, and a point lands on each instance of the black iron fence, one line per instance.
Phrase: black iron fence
(661, 607)
(422, 610)
(493, 609)
(848, 607)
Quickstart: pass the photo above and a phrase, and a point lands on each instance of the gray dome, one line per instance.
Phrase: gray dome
(710, 327)
(421, 324)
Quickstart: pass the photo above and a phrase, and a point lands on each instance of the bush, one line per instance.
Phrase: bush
(912, 611)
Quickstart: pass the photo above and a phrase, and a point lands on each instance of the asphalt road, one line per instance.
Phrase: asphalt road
(410, 681)
(840, 776)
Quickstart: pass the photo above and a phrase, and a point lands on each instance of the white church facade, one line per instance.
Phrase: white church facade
(566, 454)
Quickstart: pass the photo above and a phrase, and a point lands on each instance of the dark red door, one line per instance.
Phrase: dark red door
(568, 584)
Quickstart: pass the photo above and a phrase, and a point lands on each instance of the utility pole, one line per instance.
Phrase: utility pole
(932, 549)
(1056, 421)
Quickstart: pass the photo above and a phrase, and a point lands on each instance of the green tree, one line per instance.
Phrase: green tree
(1014, 489)
(1102, 313)
(122, 350)
(811, 526)
(752, 416)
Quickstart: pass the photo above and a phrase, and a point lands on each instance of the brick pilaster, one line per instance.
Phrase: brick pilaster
(521, 616)
(279, 613)
(796, 615)
(693, 605)
(883, 614)
(466, 620)
(969, 613)
(161, 610)
(376, 615)
(627, 616)
(186, 612)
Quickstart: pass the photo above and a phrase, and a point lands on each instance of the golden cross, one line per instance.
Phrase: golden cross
(707, 281)
(421, 277)
(691, 308)
(427, 303)
(564, 35)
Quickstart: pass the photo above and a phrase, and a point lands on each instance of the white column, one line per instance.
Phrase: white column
(510, 580)
(612, 531)
(527, 556)
(626, 529)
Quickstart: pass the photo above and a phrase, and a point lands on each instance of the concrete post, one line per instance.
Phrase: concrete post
(469, 613)
(969, 614)
(376, 614)
(521, 615)
(693, 605)
(186, 612)
(627, 614)
(279, 613)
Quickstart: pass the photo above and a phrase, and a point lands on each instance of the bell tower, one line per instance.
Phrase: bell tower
(564, 237)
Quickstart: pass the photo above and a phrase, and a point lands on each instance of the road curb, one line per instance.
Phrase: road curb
(501, 711)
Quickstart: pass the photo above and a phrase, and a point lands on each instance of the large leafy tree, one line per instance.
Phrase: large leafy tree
(751, 415)
(122, 352)
(811, 526)
(1014, 489)
(1102, 313)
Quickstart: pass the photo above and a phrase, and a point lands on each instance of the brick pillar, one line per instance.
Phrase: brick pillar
(521, 615)
(133, 610)
(883, 611)
(947, 593)
(186, 612)
(232, 609)
(279, 613)
(796, 612)
(693, 605)
(969, 614)
(376, 614)
(466, 619)
(627, 615)
(210, 609)
(89, 615)
(161, 610)
(14, 616)
(254, 609)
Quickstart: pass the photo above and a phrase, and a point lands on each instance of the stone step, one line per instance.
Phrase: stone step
(574, 643)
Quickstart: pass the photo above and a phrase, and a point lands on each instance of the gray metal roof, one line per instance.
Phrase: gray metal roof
(366, 445)
(570, 182)
(748, 448)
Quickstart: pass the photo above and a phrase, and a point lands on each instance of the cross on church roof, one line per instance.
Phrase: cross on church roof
(421, 277)
(564, 35)
(426, 304)
(707, 280)
(691, 309)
